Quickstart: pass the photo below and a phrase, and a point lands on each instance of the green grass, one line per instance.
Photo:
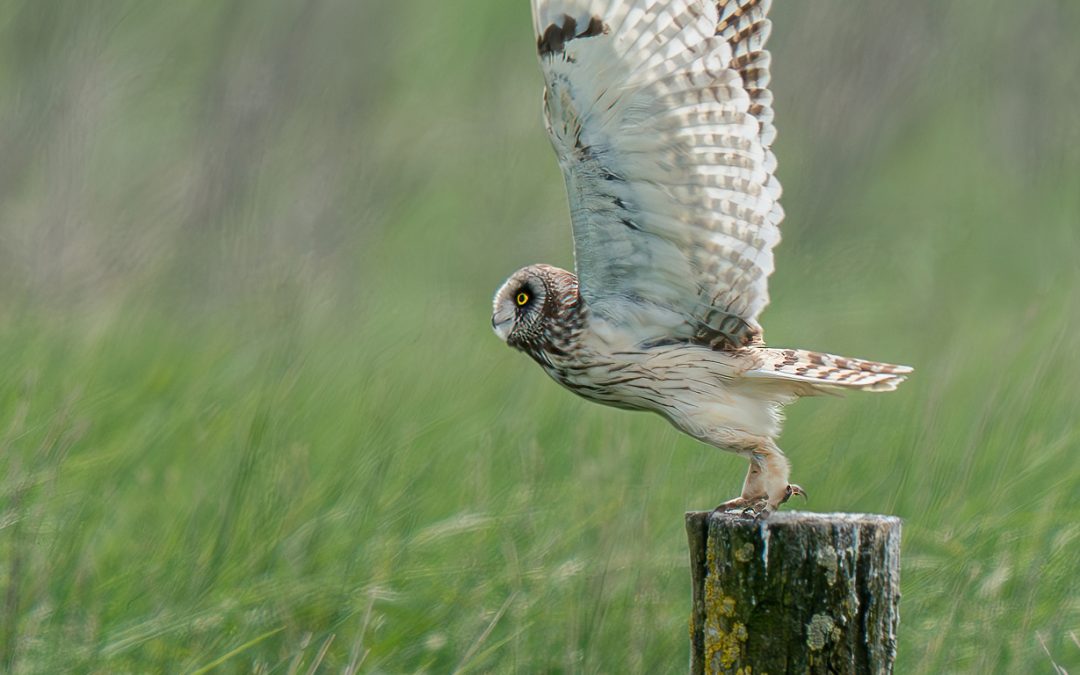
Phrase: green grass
(179, 494)
(268, 427)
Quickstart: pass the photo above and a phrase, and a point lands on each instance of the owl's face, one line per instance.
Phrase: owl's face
(518, 310)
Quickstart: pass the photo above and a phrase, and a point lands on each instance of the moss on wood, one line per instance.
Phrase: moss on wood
(796, 593)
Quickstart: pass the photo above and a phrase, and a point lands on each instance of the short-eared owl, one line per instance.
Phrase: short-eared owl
(662, 120)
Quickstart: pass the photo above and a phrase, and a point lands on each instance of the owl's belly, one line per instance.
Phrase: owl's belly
(696, 389)
(660, 378)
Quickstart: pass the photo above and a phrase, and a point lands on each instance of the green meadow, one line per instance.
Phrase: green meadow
(253, 417)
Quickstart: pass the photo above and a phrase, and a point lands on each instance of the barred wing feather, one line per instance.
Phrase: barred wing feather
(661, 118)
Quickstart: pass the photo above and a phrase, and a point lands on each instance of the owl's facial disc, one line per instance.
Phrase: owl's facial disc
(517, 304)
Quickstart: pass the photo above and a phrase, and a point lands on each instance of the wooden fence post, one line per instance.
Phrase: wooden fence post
(797, 592)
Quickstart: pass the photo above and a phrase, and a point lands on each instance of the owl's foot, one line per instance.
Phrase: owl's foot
(759, 507)
(756, 507)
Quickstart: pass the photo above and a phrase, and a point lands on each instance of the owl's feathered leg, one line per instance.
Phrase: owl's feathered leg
(766, 486)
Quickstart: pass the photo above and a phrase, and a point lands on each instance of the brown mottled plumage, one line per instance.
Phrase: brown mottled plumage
(661, 117)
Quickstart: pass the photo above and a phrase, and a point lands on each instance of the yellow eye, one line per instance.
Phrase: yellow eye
(522, 299)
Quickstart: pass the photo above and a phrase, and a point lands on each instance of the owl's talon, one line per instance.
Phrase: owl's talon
(762, 509)
(794, 490)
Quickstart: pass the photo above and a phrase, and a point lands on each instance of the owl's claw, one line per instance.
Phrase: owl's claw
(794, 490)
(762, 512)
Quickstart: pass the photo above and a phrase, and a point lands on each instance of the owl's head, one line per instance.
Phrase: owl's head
(536, 308)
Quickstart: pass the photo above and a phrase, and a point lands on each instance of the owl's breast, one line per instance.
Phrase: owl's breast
(599, 379)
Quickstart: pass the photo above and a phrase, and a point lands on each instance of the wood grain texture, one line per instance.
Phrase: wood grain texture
(795, 593)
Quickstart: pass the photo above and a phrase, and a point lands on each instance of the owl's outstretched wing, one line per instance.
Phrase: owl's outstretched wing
(661, 118)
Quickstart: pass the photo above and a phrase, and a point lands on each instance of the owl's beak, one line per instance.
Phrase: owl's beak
(501, 323)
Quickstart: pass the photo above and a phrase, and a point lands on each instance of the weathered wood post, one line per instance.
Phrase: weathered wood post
(797, 592)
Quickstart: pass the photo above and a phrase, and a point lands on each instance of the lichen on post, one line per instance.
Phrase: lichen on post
(794, 593)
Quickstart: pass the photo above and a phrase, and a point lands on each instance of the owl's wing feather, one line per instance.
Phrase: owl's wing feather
(661, 117)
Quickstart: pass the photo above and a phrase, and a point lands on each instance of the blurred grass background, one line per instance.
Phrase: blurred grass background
(253, 417)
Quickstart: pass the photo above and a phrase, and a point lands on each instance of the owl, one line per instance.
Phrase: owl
(661, 117)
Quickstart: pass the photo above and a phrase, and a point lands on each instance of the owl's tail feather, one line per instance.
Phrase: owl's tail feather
(828, 371)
